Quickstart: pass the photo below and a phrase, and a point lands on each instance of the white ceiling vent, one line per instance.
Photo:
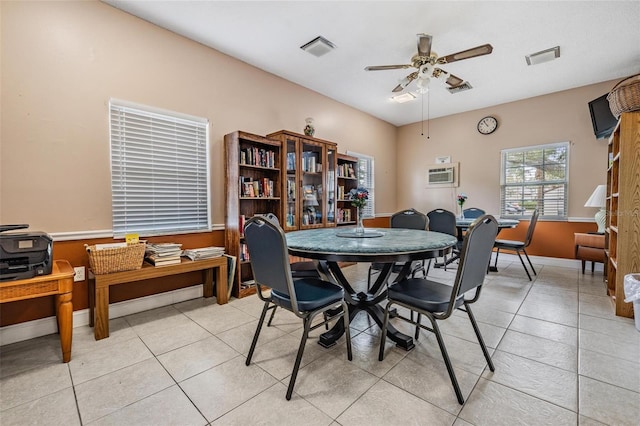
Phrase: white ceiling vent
(319, 46)
(460, 88)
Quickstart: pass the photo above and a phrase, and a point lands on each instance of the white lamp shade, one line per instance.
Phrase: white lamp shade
(597, 199)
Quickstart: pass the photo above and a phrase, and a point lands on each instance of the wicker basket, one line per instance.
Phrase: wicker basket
(625, 96)
(116, 259)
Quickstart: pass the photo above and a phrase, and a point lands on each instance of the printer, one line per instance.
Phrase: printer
(24, 254)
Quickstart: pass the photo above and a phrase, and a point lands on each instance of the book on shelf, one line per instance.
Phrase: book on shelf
(231, 272)
(162, 260)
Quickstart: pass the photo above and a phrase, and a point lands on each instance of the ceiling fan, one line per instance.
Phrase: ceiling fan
(426, 62)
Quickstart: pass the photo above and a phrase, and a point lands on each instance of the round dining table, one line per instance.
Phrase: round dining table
(329, 246)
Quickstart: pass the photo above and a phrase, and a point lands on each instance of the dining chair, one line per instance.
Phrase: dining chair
(305, 297)
(519, 246)
(444, 221)
(437, 301)
(407, 219)
(300, 269)
(472, 213)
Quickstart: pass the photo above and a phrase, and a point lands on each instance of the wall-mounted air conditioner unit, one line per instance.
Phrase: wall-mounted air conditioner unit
(443, 175)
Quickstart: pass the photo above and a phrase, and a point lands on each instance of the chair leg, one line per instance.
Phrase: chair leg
(265, 308)
(523, 265)
(495, 265)
(447, 361)
(529, 260)
(273, 313)
(417, 326)
(472, 318)
(347, 331)
(296, 366)
(427, 270)
(583, 262)
(383, 332)
(593, 267)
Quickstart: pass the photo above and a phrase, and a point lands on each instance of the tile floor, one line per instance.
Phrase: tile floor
(561, 357)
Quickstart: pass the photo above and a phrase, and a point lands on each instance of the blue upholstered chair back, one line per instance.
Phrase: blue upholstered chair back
(269, 256)
(441, 220)
(475, 254)
(532, 227)
(409, 219)
(472, 213)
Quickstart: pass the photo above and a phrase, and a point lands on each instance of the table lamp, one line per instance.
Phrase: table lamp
(597, 199)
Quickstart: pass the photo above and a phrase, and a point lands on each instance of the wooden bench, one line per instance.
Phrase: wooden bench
(99, 286)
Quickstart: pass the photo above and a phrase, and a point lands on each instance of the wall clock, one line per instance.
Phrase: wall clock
(487, 125)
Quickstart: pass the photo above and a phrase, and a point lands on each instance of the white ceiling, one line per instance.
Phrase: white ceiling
(599, 41)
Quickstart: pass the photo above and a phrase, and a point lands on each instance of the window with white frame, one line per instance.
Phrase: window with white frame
(535, 177)
(159, 171)
(366, 178)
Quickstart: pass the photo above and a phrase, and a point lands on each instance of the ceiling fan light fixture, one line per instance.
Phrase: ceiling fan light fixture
(405, 97)
(319, 46)
(543, 56)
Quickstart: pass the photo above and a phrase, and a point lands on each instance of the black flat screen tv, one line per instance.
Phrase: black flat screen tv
(601, 118)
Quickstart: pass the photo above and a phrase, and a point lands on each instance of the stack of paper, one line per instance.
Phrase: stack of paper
(160, 254)
(203, 253)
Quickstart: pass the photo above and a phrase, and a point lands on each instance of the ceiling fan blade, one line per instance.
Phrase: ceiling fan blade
(405, 82)
(424, 45)
(387, 67)
(454, 81)
(485, 49)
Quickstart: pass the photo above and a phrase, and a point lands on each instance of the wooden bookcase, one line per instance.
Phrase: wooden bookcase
(253, 184)
(347, 173)
(623, 208)
(308, 181)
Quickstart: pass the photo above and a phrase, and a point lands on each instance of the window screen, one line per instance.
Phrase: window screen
(159, 171)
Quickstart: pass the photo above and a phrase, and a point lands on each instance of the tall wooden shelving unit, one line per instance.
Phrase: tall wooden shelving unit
(253, 185)
(623, 208)
(347, 174)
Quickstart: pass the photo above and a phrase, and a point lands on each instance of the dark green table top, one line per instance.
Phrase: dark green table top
(395, 245)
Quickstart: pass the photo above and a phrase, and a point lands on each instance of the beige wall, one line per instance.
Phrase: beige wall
(62, 61)
(557, 117)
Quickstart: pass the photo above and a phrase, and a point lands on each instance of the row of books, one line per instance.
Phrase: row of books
(310, 162)
(257, 157)
(160, 254)
(342, 195)
(346, 170)
(291, 161)
(263, 187)
(244, 253)
(344, 215)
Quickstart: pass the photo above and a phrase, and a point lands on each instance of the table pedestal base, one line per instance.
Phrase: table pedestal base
(367, 302)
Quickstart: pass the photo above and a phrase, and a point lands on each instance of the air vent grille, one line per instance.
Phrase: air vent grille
(460, 88)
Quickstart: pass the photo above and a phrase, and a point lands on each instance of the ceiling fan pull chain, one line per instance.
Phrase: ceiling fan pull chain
(427, 115)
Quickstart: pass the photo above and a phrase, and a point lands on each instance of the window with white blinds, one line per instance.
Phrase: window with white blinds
(535, 177)
(159, 171)
(366, 178)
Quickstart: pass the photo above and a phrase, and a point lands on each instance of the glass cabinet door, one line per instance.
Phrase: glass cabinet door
(292, 191)
(312, 195)
(331, 186)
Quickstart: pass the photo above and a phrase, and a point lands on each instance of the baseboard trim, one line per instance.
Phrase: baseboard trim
(41, 327)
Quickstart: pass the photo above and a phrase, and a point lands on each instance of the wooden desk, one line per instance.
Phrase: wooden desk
(99, 286)
(59, 284)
